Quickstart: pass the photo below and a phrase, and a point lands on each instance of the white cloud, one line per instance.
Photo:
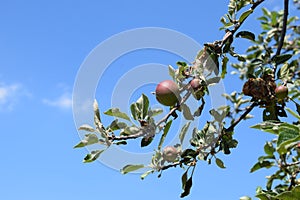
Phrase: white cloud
(64, 101)
(10, 95)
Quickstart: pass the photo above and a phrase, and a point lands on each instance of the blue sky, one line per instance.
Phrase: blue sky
(42, 46)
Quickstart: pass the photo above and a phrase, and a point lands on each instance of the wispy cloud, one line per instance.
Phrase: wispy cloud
(10, 95)
(64, 101)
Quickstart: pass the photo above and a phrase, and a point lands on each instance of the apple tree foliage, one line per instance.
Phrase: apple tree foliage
(271, 61)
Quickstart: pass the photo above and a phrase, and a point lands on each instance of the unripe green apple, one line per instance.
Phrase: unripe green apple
(170, 153)
(167, 93)
(281, 92)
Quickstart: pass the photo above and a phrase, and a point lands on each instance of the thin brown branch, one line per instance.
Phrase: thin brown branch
(170, 165)
(238, 120)
(283, 31)
(284, 25)
(147, 130)
(230, 33)
(183, 100)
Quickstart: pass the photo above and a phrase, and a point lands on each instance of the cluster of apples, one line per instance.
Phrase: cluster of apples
(168, 94)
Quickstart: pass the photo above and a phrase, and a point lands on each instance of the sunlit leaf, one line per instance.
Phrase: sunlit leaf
(245, 15)
(171, 71)
(166, 130)
(116, 125)
(92, 156)
(183, 131)
(186, 112)
(245, 198)
(135, 112)
(89, 139)
(131, 168)
(143, 104)
(86, 127)
(143, 176)
(117, 113)
(294, 194)
(154, 112)
(287, 132)
(213, 80)
(293, 113)
(267, 126)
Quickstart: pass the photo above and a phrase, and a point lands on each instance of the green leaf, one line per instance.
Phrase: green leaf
(130, 168)
(281, 58)
(116, 125)
(166, 130)
(154, 112)
(129, 130)
(96, 112)
(186, 112)
(89, 139)
(269, 149)
(245, 15)
(146, 141)
(121, 143)
(294, 194)
(267, 126)
(263, 196)
(183, 131)
(287, 132)
(283, 72)
(187, 187)
(115, 112)
(143, 104)
(86, 127)
(184, 178)
(293, 113)
(218, 117)
(172, 71)
(143, 176)
(220, 163)
(97, 120)
(245, 198)
(288, 135)
(264, 164)
(92, 156)
(135, 112)
(266, 12)
(224, 67)
(246, 34)
(213, 80)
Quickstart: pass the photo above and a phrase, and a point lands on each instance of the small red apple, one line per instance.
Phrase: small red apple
(281, 92)
(195, 83)
(170, 153)
(167, 93)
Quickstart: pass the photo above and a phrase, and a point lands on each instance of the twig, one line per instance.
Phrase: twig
(170, 165)
(183, 100)
(283, 31)
(248, 110)
(284, 25)
(230, 34)
(150, 129)
(291, 164)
